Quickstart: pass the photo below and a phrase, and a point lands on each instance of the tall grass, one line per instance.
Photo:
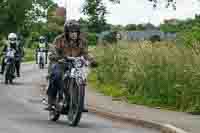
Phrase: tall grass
(152, 74)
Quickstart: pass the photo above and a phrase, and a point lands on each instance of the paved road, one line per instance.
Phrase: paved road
(21, 111)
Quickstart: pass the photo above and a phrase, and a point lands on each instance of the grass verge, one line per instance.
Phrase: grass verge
(156, 75)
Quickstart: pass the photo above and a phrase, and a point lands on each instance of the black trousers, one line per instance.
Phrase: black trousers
(17, 66)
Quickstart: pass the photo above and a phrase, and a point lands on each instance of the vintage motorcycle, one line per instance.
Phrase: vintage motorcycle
(41, 57)
(9, 73)
(70, 101)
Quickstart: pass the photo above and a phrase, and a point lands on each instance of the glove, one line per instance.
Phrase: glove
(61, 61)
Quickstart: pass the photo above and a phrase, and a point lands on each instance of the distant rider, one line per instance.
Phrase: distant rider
(42, 47)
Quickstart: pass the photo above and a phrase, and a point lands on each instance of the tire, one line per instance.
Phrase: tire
(74, 116)
(11, 81)
(53, 116)
(39, 63)
(42, 65)
(7, 74)
(9, 71)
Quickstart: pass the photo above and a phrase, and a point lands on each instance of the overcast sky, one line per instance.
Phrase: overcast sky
(137, 11)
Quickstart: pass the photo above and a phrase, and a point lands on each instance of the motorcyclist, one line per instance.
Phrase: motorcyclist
(41, 47)
(71, 43)
(12, 43)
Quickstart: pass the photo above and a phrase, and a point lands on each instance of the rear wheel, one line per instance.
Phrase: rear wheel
(76, 102)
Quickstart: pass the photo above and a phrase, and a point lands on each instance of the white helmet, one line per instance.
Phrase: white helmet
(42, 39)
(12, 38)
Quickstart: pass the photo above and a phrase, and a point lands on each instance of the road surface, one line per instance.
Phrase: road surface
(21, 110)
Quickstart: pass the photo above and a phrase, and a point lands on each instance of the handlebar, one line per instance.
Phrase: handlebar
(70, 58)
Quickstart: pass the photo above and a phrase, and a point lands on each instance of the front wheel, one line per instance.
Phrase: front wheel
(8, 74)
(53, 116)
(41, 63)
(76, 102)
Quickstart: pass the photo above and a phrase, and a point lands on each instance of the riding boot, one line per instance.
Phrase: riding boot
(85, 110)
(51, 102)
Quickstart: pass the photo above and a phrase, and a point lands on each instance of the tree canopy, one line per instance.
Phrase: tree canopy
(17, 15)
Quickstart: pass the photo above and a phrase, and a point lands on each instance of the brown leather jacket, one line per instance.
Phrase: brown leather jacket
(63, 48)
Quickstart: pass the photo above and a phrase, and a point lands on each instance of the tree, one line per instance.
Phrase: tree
(36, 15)
(131, 27)
(96, 11)
(13, 14)
(140, 27)
(19, 15)
(54, 23)
(169, 3)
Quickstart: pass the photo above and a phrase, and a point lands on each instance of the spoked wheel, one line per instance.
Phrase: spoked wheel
(53, 115)
(41, 63)
(8, 74)
(76, 103)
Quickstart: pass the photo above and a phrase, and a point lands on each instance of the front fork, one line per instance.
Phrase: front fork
(69, 87)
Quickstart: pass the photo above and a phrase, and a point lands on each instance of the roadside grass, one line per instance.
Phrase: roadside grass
(157, 75)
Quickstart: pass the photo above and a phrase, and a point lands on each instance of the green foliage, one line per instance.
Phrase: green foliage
(92, 39)
(13, 14)
(155, 38)
(140, 27)
(29, 55)
(188, 31)
(110, 38)
(131, 27)
(96, 11)
(169, 28)
(154, 74)
(18, 17)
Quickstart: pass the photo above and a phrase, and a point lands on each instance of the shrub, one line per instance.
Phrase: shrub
(110, 38)
(92, 39)
(155, 38)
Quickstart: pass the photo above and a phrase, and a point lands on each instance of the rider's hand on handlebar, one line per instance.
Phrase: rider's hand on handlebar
(61, 60)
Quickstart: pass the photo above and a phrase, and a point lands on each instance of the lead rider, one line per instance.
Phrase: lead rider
(71, 43)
